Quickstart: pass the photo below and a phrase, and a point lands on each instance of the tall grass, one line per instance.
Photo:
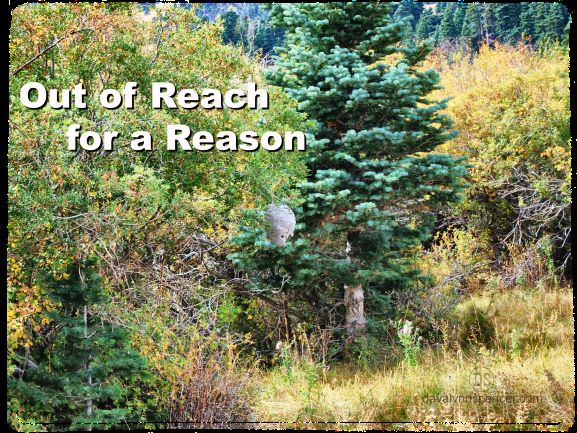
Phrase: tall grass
(526, 350)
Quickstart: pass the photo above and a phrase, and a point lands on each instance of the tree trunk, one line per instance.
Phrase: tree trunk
(89, 401)
(287, 320)
(354, 310)
(354, 301)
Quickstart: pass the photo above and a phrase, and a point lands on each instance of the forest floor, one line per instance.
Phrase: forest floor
(524, 376)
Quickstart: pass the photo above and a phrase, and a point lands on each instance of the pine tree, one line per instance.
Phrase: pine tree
(417, 8)
(266, 37)
(447, 29)
(372, 185)
(487, 22)
(540, 22)
(440, 7)
(434, 24)
(555, 20)
(459, 18)
(550, 21)
(81, 374)
(423, 30)
(567, 32)
(230, 32)
(507, 21)
(247, 34)
(260, 35)
(404, 12)
(471, 31)
(526, 19)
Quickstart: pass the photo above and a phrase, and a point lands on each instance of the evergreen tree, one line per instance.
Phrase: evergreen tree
(526, 19)
(266, 37)
(404, 11)
(447, 29)
(550, 21)
(372, 185)
(262, 36)
(487, 22)
(471, 31)
(230, 32)
(440, 7)
(246, 31)
(459, 18)
(540, 22)
(81, 373)
(555, 20)
(417, 8)
(434, 24)
(507, 21)
(567, 32)
(423, 30)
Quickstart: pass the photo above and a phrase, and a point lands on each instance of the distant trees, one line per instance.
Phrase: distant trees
(254, 34)
(448, 30)
(471, 30)
(507, 25)
(441, 22)
(405, 12)
(230, 33)
(472, 22)
(424, 26)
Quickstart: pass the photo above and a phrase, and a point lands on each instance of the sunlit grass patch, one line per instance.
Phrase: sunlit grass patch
(533, 384)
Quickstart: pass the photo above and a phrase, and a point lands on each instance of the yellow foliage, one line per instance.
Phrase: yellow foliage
(535, 384)
(511, 106)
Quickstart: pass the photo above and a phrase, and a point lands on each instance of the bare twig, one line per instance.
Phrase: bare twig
(50, 47)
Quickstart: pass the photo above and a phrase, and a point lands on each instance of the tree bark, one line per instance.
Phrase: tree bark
(287, 320)
(89, 401)
(354, 310)
(354, 301)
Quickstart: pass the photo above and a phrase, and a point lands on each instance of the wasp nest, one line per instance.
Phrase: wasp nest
(280, 224)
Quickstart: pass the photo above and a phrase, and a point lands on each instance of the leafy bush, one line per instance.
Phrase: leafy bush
(511, 106)
(157, 221)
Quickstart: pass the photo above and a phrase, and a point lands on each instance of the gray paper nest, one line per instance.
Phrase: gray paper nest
(280, 223)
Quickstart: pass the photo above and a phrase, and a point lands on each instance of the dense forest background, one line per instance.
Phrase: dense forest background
(435, 193)
(450, 25)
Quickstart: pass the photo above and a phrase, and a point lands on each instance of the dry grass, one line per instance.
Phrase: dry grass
(529, 363)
